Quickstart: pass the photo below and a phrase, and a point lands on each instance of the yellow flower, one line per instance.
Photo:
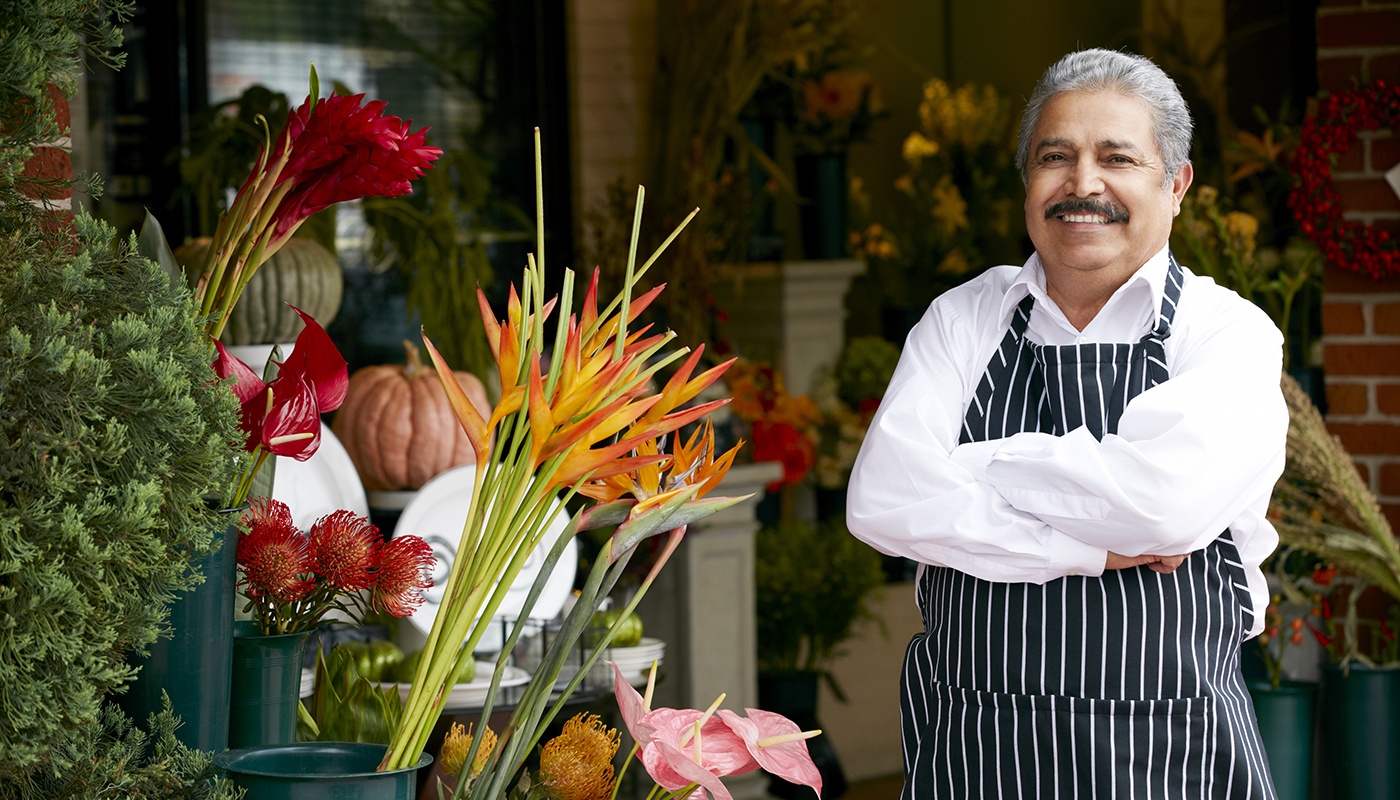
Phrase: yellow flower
(458, 743)
(955, 263)
(577, 764)
(904, 184)
(949, 207)
(917, 147)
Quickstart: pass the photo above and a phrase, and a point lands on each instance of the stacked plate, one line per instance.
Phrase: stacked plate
(634, 662)
(473, 695)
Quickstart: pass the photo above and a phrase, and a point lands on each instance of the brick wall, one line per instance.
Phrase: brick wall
(54, 160)
(1359, 40)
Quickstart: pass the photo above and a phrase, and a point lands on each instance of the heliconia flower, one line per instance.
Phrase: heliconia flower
(577, 764)
(344, 548)
(284, 416)
(405, 570)
(777, 744)
(272, 556)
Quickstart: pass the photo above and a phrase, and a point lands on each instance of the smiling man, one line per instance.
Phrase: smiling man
(1080, 452)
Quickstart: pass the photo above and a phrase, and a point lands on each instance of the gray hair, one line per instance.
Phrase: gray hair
(1136, 76)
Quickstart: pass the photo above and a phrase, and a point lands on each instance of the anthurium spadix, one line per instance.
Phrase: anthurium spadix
(578, 414)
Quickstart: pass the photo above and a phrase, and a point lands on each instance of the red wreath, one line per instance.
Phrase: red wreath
(1315, 202)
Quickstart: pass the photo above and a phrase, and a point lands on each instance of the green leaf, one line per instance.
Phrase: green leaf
(152, 244)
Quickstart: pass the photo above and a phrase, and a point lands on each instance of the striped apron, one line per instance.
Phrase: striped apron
(1126, 685)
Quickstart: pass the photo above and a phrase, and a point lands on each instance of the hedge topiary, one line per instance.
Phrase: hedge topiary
(112, 433)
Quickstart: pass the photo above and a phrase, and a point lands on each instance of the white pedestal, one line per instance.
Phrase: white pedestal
(791, 314)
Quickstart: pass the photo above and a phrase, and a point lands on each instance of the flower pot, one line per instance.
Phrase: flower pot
(821, 181)
(266, 687)
(192, 665)
(794, 695)
(1286, 725)
(1361, 731)
(319, 771)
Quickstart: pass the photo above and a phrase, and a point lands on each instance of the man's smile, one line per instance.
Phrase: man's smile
(1096, 212)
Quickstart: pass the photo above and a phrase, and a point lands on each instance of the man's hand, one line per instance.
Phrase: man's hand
(1162, 564)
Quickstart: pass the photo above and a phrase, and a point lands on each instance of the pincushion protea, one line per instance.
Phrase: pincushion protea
(293, 578)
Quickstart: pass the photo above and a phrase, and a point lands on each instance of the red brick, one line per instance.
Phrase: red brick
(1338, 73)
(1390, 479)
(1341, 281)
(1368, 438)
(1341, 318)
(1385, 152)
(1388, 399)
(1361, 359)
(1363, 471)
(1379, 27)
(1353, 160)
(1385, 319)
(1366, 194)
(60, 108)
(1385, 66)
(50, 162)
(1347, 398)
(1392, 514)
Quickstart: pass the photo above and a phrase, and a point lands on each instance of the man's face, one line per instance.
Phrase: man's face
(1095, 197)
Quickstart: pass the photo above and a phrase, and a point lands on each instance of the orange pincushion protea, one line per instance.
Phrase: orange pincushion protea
(405, 570)
(344, 549)
(273, 555)
(577, 764)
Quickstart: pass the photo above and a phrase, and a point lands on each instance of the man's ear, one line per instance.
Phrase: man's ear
(1180, 184)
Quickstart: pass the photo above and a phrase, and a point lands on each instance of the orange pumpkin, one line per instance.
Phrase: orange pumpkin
(398, 425)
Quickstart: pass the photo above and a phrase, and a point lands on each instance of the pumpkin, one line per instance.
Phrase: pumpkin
(302, 273)
(398, 426)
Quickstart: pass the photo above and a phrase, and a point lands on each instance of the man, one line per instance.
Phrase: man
(1080, 454)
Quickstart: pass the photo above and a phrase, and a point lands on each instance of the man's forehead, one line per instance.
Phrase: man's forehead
(1107, 120)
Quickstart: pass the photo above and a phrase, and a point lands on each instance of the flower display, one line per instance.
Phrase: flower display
(957, 207)
(577, 415)
(331, 150)
(687, 750)
(293, 578)
(1316, 203)
(835, 110)
(782, 425)
(283, 416)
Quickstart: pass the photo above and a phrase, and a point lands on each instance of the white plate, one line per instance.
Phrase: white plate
(320, 485)
(308, 682)
(438, 513)
(474, 693)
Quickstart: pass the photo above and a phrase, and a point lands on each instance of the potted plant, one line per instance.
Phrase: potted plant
(813, 583)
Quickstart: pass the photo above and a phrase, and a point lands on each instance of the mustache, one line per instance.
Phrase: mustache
(1114, 212)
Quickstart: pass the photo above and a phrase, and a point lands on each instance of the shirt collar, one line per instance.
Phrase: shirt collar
(1031, 280)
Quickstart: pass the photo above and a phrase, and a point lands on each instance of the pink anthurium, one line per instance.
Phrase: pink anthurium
(777, 744)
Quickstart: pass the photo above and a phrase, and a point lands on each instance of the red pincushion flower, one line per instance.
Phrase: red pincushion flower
(405, 570)
(344, 549)
(273, 555)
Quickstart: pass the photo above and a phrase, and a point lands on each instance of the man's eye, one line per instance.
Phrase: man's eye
(1051, 157)
(1119, 160)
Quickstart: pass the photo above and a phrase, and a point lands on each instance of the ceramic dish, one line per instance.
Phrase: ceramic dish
(437, 514)
(324, 483)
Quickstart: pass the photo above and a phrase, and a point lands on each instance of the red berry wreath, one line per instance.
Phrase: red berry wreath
(1315, 202)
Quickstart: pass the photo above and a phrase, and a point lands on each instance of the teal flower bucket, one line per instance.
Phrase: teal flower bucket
(319, 771)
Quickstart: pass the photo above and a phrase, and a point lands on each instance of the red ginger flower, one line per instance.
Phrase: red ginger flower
(405, 570)
(273, 555)
(345, 550)
(341, 151)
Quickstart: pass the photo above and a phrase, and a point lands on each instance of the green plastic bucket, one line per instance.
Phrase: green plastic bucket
(319, 771)
(1361, 732)
(266, 686)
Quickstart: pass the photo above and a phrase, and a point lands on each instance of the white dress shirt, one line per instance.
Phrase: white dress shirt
(1192, 456)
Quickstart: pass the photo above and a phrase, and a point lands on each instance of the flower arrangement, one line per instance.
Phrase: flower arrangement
(684, 751)
(782, 426)
(1315, 201)
(959, 200)
(835, 110)
(293, 578)
(576, 415)
(1224, 243)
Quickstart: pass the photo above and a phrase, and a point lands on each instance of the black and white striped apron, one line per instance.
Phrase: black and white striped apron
(1126, 685)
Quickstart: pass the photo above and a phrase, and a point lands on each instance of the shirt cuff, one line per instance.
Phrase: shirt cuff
(975, 457)
(1069, 556)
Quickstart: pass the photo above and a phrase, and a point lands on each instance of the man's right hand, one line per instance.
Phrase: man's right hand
(1162, 564)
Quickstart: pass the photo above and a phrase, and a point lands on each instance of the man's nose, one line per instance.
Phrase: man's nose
(1085, 179)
